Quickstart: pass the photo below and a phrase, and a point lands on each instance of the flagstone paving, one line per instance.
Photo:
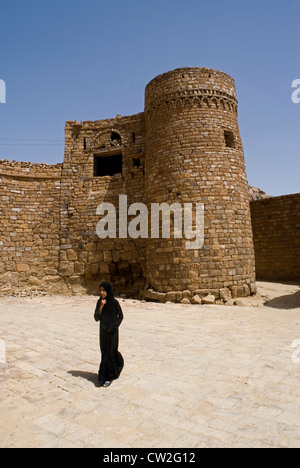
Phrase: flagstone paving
(194, 376)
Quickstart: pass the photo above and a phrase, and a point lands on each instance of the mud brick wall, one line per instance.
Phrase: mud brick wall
(276, 235)
(30, 224)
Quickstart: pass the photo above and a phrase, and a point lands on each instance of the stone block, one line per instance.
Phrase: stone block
(147, 293)
(225, 294)
(33, 281)
(95, 268)
(71, 255)
(154, 296)
(196, 300)
(179, 296)
(209, 299)
(66, 268)
(205, 292)
(9, 279)
(22, 267)
(104, 269)
(79, 268)
(107, 256)
(186, 294)
(237, 291)
(124, 269)
(239, 302)
(171, 296)
(185, 300)
(136, 270)
(161, 297)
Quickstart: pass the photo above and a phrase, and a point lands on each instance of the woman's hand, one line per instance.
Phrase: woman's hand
(103, 302)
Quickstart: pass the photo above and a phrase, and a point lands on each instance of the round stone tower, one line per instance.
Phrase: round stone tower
(194, 155)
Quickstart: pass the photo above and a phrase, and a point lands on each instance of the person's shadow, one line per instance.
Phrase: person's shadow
(90, 376)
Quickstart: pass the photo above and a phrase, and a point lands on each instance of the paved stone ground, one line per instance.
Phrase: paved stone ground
(194, 376)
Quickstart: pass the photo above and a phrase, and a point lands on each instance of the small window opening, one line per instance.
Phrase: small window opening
(133, 137)
(136, 162)
(229, 139)
(107, 165)
(84, 143)
(115, 137)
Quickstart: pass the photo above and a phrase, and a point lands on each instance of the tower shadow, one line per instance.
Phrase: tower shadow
(288, 302)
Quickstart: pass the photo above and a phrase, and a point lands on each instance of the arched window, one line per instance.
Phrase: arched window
(115, 138)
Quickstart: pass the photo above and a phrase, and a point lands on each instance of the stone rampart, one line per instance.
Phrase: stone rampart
(30, 222)
(185, 148)
(276, 235)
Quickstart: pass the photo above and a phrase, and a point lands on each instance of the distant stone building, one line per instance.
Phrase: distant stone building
(184, 148)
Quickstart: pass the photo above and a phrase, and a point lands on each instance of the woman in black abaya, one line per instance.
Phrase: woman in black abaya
(110, 315)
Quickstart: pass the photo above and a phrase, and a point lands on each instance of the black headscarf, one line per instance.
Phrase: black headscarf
(108, 289)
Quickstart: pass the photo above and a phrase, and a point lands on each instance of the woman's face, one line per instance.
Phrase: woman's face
(103, 293)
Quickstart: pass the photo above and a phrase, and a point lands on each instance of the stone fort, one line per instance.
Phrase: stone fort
(185, 147)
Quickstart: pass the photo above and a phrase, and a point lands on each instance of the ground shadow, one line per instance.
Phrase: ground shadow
(289, 301)
(90, 376)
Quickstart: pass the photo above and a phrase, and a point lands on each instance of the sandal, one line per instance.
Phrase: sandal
(107, 383)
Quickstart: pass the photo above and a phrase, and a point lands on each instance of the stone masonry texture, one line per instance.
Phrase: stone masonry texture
(276, 231)
(188, 113)
(184, 148)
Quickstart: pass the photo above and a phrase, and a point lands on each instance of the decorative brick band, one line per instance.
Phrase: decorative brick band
(198, 97)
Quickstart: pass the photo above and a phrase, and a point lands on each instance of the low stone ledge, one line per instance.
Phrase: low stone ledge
(200, 296)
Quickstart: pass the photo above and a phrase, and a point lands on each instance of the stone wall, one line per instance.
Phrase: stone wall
(185, 148)
(194, 154)
(30, 222)
(85, 259)
(276, 234)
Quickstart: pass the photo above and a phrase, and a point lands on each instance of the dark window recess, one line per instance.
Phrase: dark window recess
(107, 165)
(84, 143)
(136, 162)
(229, 139)
(115, 137)
(133, 137)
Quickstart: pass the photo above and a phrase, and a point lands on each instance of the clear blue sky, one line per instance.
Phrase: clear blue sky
(89, 60)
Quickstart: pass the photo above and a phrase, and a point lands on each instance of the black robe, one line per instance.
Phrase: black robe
(112, 361)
